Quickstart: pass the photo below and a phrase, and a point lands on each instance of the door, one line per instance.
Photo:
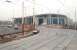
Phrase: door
(40, 21)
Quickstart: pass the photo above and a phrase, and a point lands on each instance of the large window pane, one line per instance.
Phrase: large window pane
(61, 21)
(18, 21)
(55, 21)
(49, 21)
(29, 20)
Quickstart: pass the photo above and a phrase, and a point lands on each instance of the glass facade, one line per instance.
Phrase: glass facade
(61, 21)
(55, 20)
(28, 20)
(18, 21)
(41, 20)
(49, 21)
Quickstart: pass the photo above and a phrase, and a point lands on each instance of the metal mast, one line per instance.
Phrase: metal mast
(23, 17)
(34, 23)
(75, 18)
(35, 31)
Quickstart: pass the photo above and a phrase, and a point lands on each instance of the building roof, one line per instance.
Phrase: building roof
(54, 15)
(39, 15)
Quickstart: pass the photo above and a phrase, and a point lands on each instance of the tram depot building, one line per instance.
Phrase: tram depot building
(50, 20)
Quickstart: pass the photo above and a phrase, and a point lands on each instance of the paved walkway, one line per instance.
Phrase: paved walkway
(47, 39)
(73, 44)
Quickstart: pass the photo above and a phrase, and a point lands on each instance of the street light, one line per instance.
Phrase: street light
(75, 18)
(34, 13)
(23, 17)
(35, 31)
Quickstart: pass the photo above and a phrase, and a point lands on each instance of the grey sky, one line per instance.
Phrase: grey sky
(8, 10)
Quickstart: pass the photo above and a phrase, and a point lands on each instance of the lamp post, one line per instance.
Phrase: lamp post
(35, 31)
(75, 18)
(23, 17)
(34, 13)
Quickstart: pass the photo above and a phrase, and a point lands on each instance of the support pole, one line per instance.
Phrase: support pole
(23, 17)
(75, 18)
(34, 23)
(35, 31)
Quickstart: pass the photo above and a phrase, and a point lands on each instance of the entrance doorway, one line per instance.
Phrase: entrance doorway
(40, 21)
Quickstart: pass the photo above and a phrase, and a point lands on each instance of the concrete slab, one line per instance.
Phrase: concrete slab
(47, 39)
(72, 45)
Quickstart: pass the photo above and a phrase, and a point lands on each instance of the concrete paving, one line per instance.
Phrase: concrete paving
(73, 44)
(47, 39)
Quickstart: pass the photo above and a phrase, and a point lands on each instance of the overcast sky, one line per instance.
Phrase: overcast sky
(8, 10)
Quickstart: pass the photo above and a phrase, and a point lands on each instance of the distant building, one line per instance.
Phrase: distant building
(44, 19)
(28, 23)
(6, 23)
(27, 20)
